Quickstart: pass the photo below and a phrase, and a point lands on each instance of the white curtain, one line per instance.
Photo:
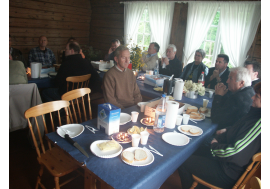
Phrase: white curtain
(199, 19)
(132, 14)
(160, 18)
(238, 25)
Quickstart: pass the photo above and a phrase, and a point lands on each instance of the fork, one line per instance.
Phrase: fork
(90, 129)
(155, 150)
(152, 151)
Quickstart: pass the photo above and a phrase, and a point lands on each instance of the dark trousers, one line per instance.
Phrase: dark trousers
(203, 165)
(50, 94)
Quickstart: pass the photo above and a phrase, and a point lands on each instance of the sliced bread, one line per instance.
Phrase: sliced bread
(185, 128)
(195, 115)
(191, 109)
(140, 155)
(194, 131)
(128, 156)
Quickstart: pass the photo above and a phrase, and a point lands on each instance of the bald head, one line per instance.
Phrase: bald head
(72, 48)
(42, 42)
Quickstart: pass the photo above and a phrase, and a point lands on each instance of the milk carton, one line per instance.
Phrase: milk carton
(108, 118)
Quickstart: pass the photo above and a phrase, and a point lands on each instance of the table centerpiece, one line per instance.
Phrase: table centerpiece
(191, 89)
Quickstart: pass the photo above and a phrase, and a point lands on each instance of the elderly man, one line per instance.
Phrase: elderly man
(151, 58)
(219, 73)
(230, 152)
(114, 44)
(170, 65)
(120, 87)
(42, 54)
(74, 65)
(255, 71)
(229, 107)
(192, 71)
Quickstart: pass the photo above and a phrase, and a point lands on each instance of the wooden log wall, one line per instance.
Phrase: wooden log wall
(57, 20)
(108, 23)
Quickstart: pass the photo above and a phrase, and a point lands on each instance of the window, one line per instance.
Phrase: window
(143, 37)
(211, 41)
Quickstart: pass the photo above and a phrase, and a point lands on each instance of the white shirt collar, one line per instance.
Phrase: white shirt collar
(120, 69)
(222, 72)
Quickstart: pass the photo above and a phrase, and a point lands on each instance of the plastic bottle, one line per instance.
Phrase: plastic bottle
(160, 115)
(156, 70)
(201, 79)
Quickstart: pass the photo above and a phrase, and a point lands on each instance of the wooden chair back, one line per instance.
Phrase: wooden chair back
(78, 81)
(255, 183)
(73, 97)
(40, 110)
(250, 170)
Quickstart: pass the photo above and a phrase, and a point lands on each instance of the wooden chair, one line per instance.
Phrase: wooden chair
(250, 170)
(54, 159)
(76, 95)
(78, 81)
(255, 183)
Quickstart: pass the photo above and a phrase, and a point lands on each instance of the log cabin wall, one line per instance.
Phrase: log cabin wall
(57, 20)
(108, 23)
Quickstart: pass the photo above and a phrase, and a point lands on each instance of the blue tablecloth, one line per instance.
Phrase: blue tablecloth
(120, 175)
(46, 82)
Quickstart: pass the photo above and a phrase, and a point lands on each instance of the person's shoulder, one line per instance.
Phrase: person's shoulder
(33, 49)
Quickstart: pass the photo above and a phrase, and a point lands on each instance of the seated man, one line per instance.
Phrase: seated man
(42, 54)
(230, 153)
(219, 73)
(120, 86)
(64, 53)
(255, 71)
(114, 44)
(151, 58)
(74, 65)
(16, 54)
(170, 64)
(192, 71)
(17, 74)
(229, 107)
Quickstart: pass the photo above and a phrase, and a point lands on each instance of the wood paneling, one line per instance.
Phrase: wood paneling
(57, 20)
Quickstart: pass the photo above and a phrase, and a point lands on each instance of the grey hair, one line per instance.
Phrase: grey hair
(120, 49)
(172, 46)
(202, 52)
(242, 74)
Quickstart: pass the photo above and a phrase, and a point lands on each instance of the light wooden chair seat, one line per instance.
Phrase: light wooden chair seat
(78, 81)
(255, 183)
(250, 170)
(73, 97)
(54, 159)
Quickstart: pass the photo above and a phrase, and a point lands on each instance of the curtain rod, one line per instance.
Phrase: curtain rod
(192, 1)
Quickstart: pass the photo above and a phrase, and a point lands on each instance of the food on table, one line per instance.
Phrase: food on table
(158, 89)
(185, 128)
(128, 156)
(136, 130)
(148, 121)
(140, 155)
(171, 98)
(191, 109)
(194, 131)
(121, 137)
(203, 110)
(109, 145)
(195, 115)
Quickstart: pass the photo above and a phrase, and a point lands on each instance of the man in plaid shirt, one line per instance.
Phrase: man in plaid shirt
(42, 54)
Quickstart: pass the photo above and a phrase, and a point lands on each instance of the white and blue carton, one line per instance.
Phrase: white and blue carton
(108, 118)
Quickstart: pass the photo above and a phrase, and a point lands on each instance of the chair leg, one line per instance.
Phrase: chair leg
(56, 179)
(40, 173)
(194, 184)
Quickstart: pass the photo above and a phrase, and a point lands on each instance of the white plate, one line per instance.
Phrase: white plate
(107, 154)
(176, 139)
(77, 129)
(53, 73)
(150, 158)
(188, 133)
(203, 118)
(124, 118)
(207, 90)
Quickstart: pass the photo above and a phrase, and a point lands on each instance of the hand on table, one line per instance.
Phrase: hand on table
(214, 141)
(221, 131)
(220, 89)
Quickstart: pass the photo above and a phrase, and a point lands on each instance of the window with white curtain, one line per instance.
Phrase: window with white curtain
(143, 35)
(211, 41)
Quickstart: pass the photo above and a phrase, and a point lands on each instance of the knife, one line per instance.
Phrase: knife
(72, 142)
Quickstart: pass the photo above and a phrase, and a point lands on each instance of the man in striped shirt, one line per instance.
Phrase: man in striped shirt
(230, 153)
(42, 54)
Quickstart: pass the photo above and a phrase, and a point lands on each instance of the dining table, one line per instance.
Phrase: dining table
(114, 172)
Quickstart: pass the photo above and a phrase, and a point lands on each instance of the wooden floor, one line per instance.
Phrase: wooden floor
(23, 166)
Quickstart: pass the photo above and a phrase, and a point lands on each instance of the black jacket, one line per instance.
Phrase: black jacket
(175, 67)
(253, 83)
(196, 72)
(75, 65)
(239, 143)
(228, 109)
(223, 77)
